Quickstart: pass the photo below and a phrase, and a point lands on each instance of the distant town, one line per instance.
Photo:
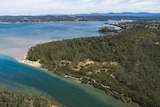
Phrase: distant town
(79, 17)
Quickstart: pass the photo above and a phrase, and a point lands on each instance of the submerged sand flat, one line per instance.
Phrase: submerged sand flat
(16, 38)
(16, 47)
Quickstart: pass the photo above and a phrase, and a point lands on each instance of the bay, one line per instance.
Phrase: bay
(51, 30)
(16, 38)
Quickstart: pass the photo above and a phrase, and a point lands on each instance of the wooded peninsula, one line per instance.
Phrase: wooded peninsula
(125, 65)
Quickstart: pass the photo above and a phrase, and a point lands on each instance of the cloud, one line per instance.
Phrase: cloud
(36, 7)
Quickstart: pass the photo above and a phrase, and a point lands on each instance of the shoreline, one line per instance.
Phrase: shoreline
(35, 64)
(24, 60)
(38, 65)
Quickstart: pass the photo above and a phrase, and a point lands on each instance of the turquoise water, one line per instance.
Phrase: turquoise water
(16, 76)
(65, 91)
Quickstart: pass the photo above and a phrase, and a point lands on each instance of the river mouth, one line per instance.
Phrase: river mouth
(23, 78)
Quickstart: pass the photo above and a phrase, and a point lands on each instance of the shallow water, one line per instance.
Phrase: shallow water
(63, 90)
(17, 38)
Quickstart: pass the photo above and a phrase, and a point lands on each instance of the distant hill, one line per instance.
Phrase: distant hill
(131, 14)
(80, 17)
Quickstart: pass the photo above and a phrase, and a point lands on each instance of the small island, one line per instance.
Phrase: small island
(125, 65)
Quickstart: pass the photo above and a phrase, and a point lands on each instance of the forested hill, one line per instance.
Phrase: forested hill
(126, 65)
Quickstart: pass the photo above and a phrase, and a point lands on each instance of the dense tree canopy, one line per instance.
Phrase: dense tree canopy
(126, 65)
(10, 99)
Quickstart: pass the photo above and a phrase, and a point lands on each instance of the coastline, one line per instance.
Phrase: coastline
(35, 64)
(24, 60)
(38, 65)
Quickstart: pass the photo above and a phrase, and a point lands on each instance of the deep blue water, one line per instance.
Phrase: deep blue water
(16, 76)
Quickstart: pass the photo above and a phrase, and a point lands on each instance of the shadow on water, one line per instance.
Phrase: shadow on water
(65, 92)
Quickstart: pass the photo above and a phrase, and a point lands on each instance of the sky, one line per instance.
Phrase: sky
(43, 7)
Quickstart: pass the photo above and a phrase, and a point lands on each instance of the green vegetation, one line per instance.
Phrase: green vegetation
(126, 65)
(10, 99)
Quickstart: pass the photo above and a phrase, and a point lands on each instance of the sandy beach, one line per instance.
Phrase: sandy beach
(28, 62)
(36, 64)
(17, 48)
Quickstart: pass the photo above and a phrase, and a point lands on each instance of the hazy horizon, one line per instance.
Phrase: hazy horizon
(69, 7)
(81, 14)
